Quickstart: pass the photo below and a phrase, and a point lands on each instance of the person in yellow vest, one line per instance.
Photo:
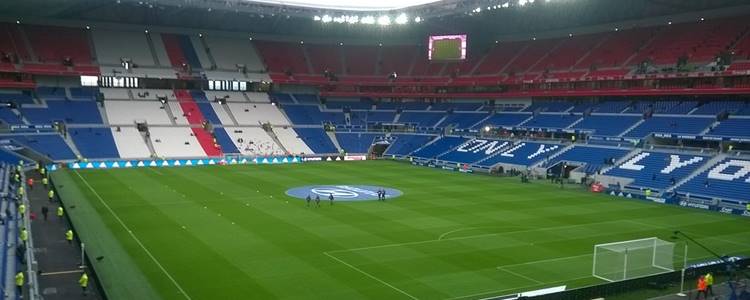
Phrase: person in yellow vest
(20, 191)
(45, 181)
(17, 177)
(648, 192)
(69, 236)
(19, 283)
(43, 170)
(22, 209)
(709, 284)
(84, 282)
(23, 235)
(51, 195)
(60, 212)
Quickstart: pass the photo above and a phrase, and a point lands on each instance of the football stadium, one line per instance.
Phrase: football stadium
(397, 149)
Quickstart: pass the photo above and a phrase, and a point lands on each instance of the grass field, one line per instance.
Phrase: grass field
(230, 232)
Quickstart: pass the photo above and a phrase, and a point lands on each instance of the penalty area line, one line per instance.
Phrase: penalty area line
(135, 238)
(370, 275)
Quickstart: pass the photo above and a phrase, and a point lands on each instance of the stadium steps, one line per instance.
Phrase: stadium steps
(69, 141)
(396, 117)
(544, 57)
(705, 131)
(332, 135)
(645, 45)
(425, 145)
(348, 118)
(623, 159)
(445, 116)
(92, 48)
(707, 165)
(477, 64)
(291, 96)
(512, 60)
(525, 121)
(21, 116)
(170, 114)
(629, 129)
(481, 121)
(542, 162)
(276, 139)
(576, 122)
(229, 113)
(208, 54)
(308, 61)
(195, 118)
(693, 110)
(149, 144)
(102, 113)
(588, 53)
(152, 50)
(27, 43)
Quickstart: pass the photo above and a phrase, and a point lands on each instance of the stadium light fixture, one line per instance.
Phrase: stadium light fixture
(88, 27)
(669, 23)
(533, 39)
(570, 35)
(617, 29)
(341, 44)
(702, 19)
(380, 44)
(316, 18)
(522, 2)
(487, 128)
(402, 19)
(251, 38)
(367, 20)
(200, 35)
(417, 19)
(326, 19)
(18, 21)
(384, 20)
(505, 5)
(352, 19)
(301, 42)
(145, 31)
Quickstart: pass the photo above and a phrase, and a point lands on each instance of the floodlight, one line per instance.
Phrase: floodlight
(326, 19)
(402, 19)
(367, 20)
(487, 128)
(384, 20)
(316, 18)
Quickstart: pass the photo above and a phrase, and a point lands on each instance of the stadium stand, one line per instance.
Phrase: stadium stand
(725, 180)
(49, 145)
(523, 154)
(475, 150)
(94, 142)
(439, 147)
(291, 141)
(130, 112)
(130, 143)
(594, 158)
(253, 141)
(175, 142)
(405, 144)
(317, 140)
(657, 170)
(606, 125)
(676, 125)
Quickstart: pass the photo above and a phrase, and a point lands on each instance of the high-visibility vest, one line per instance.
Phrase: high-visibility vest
(60, 211)
(51, 194)
(22, 209)
(84, 281)
(19, 279)
(24, 235)
(709, 279)
(20, 191)
(44, 180)
(69, 235)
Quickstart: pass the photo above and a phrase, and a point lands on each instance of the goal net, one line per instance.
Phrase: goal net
(632, 259)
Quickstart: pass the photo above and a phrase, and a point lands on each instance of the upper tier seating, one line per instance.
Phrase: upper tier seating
(115, 94)
(444, 144)
(657, 170)
(531, 55)
(425, 119)
(523, 154)
(325, 58)
(12, 42)
(257, 113)
(611, 107)
(52, 145)
(728, 179)
(17, 96)
(732, 127)
(407, 143)
(229, 52)
(7, 116)
(291, 141)
(311, 115)
(356, 142)
(674, 125)
(360, 60)
(317, 140)
(153, 94)
(475, 150)
(53, 44)
(281, 57)
(607, 125)
(130, 112)
(552, 121)
(71, 112)
(568, 52)
(94, 142)
(111, 46)
(398, 59)
(253, 141)
(361, 118)
(501, 119)
(456, 106)
(616, 49)
(499, 56)
(180, 50)
(463, 120)
(715, 107)
(130, 143)
(84, 93)
(174, 142)
(549, 106)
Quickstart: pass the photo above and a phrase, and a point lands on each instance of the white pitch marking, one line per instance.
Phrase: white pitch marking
(370, 275)
(134, 237)
(520, 275)
(543, 260)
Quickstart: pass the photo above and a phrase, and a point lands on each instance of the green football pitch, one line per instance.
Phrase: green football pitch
(230, 232)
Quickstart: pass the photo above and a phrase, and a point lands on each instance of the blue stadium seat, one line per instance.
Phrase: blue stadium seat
(53, 146)
(317, 140)
(656, 170)
(549, 106)
(8, 117)
(606, 125)
(732, 127)
(463, 120)
(523, 153)
(551, 121)
(593, 157)
(405, 144)
(440, 146)
(456, 106)
(728, 179)
(356, 142)
(225, 141)
(94, 142)
(675, 125)
(475, 150)
(71, 112)
(423, 119)
(501, 119)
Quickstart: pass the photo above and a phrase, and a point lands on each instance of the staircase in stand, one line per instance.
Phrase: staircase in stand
(195, 118)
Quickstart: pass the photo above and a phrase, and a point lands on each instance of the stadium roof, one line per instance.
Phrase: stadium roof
(350, 5)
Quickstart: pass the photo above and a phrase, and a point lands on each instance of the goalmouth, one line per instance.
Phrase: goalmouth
(633, 259)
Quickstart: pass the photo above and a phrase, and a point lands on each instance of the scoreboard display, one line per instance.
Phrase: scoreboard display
(447, 47)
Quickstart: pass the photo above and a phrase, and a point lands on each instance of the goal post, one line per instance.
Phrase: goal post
(633, 259)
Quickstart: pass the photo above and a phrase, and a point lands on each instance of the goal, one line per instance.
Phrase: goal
(632, 259)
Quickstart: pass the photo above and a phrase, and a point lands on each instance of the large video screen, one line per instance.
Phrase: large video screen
(447, 47)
